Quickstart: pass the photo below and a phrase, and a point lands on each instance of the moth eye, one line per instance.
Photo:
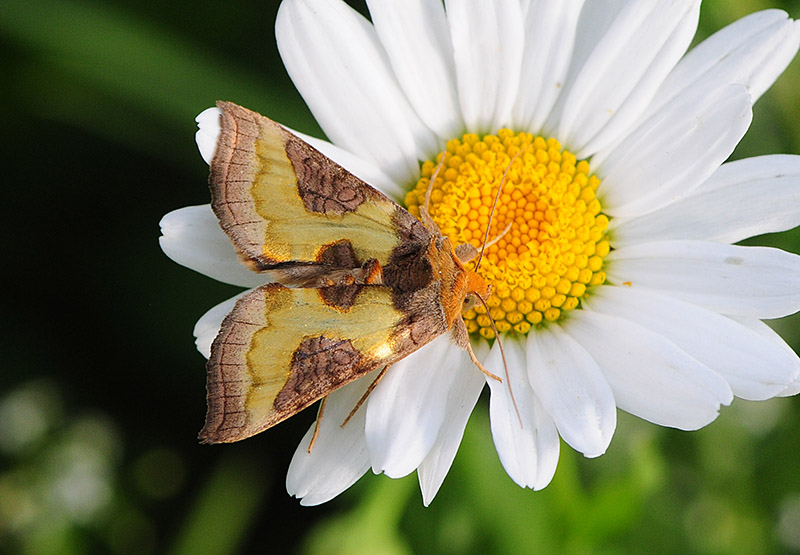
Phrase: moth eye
(469, 303)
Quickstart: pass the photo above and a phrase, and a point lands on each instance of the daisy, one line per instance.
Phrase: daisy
(617, 285)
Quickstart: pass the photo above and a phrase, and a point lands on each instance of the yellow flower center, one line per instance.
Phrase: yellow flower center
(553, 251)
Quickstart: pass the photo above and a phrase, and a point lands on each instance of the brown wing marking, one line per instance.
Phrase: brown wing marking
(320, 364)
(324, 186)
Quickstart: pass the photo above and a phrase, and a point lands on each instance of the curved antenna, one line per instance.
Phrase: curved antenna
(494, 205)
(478, 263)
(427, 220)
(503, 355)
(423, 211)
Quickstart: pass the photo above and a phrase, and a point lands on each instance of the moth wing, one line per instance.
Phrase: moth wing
(282, 202)
(282, 349)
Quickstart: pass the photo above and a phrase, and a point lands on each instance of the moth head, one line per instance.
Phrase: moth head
(476, 285)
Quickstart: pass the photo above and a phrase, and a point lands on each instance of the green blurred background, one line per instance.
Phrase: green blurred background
(102, 392)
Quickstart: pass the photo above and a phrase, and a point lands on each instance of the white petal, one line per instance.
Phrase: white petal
(191, 236)
(528, 449)
(752, 51)
(769, 333)
(461, 397)
(406, 411)
(207, 327)
(791, 389)
(358, 166)
(339, 456)
(487, 48)
(417, 41)
(610, 88)
(337, 63)
(549, 39)
(572, 389)
(673, 152)
(747, 281)
(755, 367)
(207, 132)
(741, 199)
(651, 377)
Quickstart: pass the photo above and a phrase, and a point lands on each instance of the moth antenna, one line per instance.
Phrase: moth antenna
(424, 214)
(494, 205)
(496, 239)
(503, 355)
(366, 394)
(320, 412)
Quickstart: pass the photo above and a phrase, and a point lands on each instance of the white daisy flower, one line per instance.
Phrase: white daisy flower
(617, 285)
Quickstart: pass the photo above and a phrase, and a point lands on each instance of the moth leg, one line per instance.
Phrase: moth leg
(467, 252)
(320, 412)
(502, 233)
(460, 336)
(366, 394)
(317, 276)
(480, 366)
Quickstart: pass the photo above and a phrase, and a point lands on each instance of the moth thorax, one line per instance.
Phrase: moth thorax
(477, 285)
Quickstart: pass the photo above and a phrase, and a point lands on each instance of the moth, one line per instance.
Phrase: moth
(355, 282)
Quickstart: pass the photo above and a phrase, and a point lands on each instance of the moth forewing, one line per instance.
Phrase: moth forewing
(280, 200)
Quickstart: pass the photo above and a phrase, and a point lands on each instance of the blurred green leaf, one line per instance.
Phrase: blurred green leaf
(370, 527)
(224, 510)
(100, 67)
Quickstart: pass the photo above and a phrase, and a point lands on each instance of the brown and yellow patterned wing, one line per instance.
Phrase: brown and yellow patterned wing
(281, 349)
(282, 202)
